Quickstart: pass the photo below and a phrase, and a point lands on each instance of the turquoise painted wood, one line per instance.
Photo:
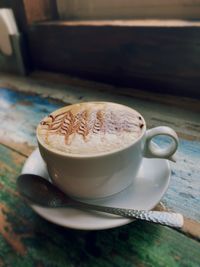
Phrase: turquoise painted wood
(183, 192)
(20, 113)
(27, 240)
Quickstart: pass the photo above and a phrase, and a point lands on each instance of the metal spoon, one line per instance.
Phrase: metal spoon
(40, 191)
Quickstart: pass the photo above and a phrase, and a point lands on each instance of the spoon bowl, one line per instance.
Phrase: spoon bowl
(41, 191)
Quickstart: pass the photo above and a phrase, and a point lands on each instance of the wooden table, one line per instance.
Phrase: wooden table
(28, 240)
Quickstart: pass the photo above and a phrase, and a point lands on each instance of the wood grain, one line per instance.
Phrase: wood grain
(7, 232)
(50, 78)
(157, 110)
(39, 243)
(157, 58)
(191, 228)
(28, 240)
(182, 194)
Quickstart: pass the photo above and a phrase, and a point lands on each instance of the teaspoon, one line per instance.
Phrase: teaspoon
(40, 191)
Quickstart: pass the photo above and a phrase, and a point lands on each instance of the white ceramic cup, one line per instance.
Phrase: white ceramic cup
(109, 173)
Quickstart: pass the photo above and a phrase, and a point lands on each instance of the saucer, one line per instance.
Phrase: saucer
(144, 193)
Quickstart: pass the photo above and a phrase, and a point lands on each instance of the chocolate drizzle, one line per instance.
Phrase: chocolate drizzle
(97, 126)
(87, 122)
(83, 128)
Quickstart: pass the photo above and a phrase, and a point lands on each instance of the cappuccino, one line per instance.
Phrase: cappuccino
(91, 128)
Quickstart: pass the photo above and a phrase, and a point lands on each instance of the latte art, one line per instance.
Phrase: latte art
(91, 128)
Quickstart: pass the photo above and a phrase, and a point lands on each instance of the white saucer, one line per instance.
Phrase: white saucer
(145, 193)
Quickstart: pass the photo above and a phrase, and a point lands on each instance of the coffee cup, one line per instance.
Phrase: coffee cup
(95, 149)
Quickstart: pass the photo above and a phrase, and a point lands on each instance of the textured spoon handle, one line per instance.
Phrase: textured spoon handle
(161, 217)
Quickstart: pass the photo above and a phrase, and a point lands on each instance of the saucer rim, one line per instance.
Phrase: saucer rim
(122, 221)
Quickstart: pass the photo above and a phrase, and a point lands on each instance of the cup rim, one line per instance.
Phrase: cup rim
(89, 156)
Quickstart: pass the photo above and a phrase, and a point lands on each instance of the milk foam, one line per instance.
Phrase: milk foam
(90, 128)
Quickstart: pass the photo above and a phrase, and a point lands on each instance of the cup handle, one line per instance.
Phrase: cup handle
(152, 151)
